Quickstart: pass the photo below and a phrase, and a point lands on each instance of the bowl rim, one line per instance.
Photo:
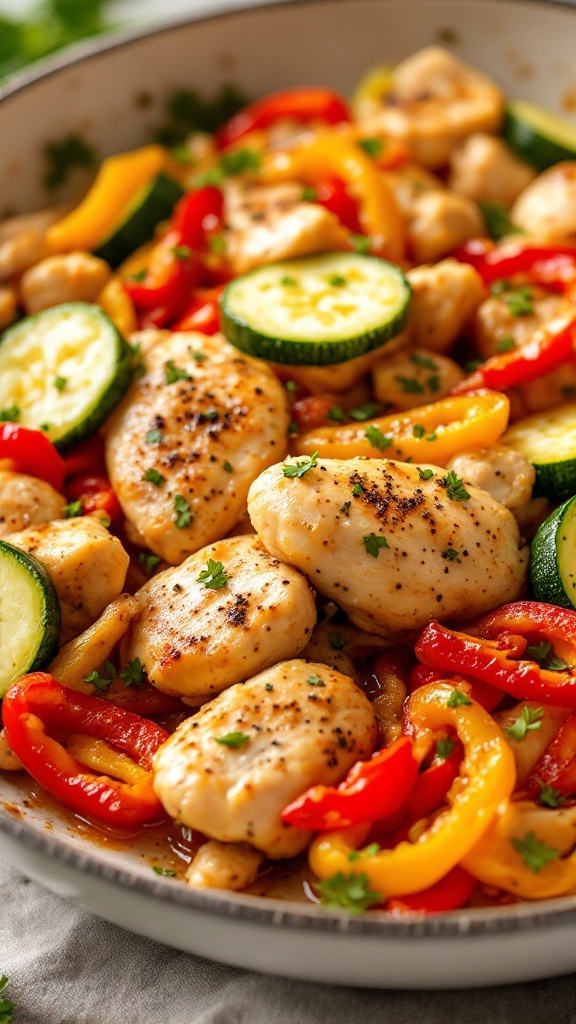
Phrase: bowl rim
(259, 910)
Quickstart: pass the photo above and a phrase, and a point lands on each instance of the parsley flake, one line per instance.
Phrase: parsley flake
(199, 357)
(545, 656)
(550, 797)
(425, 474)
(337, 281)
(10, 415)
(152, 476)
(418, 430)
(337, 641)
(232, 739)
(376, 438)
(133, 674)
(213, 576)
(217, 244)
(148, 561)
(181, 252)
(527, 721)
(457, 697)
(154, 437)
(372, 146)
(373, 543)
(315, 681)
(351, 892)
(336, 413)
(239, 161)
(136, 361)
(534, 853)
(345, 508)
(228, 467)
(409, 385)
(73, 509)
(165, 872)
(433, 383)
(451, 555)
(60, 383)
(268, 686)
(184, 515)
(298, 469)
(174, 373)
(308, 194)
(444, 748)
(366, 411)
(506, 344)
(426, 362)
(288, 282)
(455, 487)
(497, 221)
(357, 490)
(360, 244)
(103, 679)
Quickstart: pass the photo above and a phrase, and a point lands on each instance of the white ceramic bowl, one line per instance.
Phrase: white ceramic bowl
(98, 91)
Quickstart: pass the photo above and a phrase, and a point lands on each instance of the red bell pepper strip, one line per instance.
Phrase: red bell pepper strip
(142, 700)
(548, 264)
(302, 104)
(37, 704)
(451, 892)
(372, 790)
(169, 276)
(87, 457)
(331, 193)
(488, 696)
(557, 766)
(96, 495)
(203, 312)
(197, 216)
(492, 651)
(551, 345)
(33, 453)
(428, 794)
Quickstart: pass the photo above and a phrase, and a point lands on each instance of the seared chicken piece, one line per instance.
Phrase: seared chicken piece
(436, 101)
(500, 470)
(393, 550)
(341, 376)
(71, 277)
(298, 724)
(444, 299)
(408, 182)
(86, 564)
(485, 169)
(195, 641)
(23, 240)
(440, 221)
(224, 866)
(546, 209)
(339, 646)
(267, 223)
(497, 320)
(25, 500)
(207, 419)
(415, 377)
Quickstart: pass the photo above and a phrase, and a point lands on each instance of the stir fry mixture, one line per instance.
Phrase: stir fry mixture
(287, 498)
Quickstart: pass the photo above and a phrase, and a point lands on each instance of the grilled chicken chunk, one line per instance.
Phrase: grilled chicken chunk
(230, 769)
(393, 550)
(26, 500)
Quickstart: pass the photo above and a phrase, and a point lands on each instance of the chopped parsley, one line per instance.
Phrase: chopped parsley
(149, 561)
(308, 194)
(298, 469)
(217, 244)
(409, 385)
(528, 721)
(425, 474)
(288, 282)
(154, 436)
(238, 161)
(10, 415)
(337, 281)
(366, 411)
(451, 555)
(433, 383)
(213, 576)
(351, 892)
(181, 252)
(519, 300)
(228, 467)
(376, 438)
(444, 748)
(534, 853)
(290, 386)
(315, 681)
(372, 146)
(360, 243)
(358, 489)
(373, 543)
(73, 509)
(211, 415)
(165, 872)
(152, 476)
(345, 508)
(425, 362)
(418, 430)
(268, 686)
(174, 373)
(550, 797)
(336, 413)
(133, 674)
(545, 656)
(60, 383)
(506, 344)
(103, 679)
(232, 739)
(199, 357)
(497, 220)
(183, 513)
(6, 1007)
(138, 368)
(457, 697)
(455, 487)
(337, 641)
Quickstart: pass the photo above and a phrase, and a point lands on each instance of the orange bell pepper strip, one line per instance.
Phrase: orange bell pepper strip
(487, 776)
(119, 180)
(328, 153)
(429, 434)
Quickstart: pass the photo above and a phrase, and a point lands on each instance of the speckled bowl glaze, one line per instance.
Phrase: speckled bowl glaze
(113, 92)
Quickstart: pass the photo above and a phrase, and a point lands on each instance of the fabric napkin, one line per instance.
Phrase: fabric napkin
(66, 966)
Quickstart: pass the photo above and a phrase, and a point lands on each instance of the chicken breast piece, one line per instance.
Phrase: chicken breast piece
(438, 222)
(296, 725)
(496, 320)
(499, 470)
(546, 209)
(195, 641)
(396, 553)
(224, 866)
(209, 432)
(414, 377)
(485, 169)
(86, 564)
(444, 299)
(25, 500)
(67, 277)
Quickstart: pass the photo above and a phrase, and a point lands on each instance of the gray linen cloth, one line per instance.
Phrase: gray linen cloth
(66, 966)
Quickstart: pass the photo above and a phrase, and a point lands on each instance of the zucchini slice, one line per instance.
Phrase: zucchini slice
(63, 371)
(29, 615)
(153, 204)
(539, 137)
(553, 557)
(548, 441)
(317, 310)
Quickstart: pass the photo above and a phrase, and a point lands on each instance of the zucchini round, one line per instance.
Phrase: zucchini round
(63, 370)
(539, 137)
(548, 441)
(317, 310)
(29, 615)
(553, 557)
(152, 205)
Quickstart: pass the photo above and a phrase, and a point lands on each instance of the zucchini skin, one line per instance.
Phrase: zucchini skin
(555, 479)
(545, 578)
(50, 616)
(535, 148)
(141, 221)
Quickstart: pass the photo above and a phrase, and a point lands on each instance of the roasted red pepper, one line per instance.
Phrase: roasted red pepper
(96, 495)
(202, 313)
(33, 453)
(333, 195)
(428, 794)
(87, 457)
(303, 104)
(197, 216)
(557, 766)
(488, 696)
(492, 651)
(549, 265)
(171, 273)
(451, 892)
(372, 790)
(144, 699)
(36, 705)
(551, 345)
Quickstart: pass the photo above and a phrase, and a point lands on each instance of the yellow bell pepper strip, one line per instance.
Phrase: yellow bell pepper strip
(329, 153)
(118, 307)
(486, 778)
(429, 434)
(118, 181)
(527, 850)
